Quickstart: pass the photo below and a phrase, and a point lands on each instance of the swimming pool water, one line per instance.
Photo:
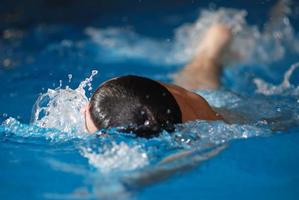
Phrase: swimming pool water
(49, 156)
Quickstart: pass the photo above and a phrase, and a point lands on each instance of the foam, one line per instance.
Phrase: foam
(285, 88)
(11, 127)
(120, 157)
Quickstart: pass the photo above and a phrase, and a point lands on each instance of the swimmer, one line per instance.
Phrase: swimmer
(146, 107)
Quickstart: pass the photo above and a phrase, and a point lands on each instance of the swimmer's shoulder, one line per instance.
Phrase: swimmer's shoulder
(192, 105)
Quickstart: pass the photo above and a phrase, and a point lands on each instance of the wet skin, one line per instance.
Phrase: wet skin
(192, 106)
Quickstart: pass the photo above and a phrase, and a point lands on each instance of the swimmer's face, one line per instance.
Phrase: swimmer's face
(89, 125)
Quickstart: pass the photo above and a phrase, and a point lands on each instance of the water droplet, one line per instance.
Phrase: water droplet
(70, 76)
(87, 80)
(168, 111)
(263, 122)
(144, 155)
(146, 123)
(245, 135)
(89, 86)
(94, 72)
(142, 112)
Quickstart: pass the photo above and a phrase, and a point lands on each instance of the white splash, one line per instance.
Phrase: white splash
(188, 36)
(13, 126)
(249, 44)
(61, 108)
(284, 88)
(123, 43)
(119, 157)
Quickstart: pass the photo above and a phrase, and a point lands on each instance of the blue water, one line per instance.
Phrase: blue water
(255, 157)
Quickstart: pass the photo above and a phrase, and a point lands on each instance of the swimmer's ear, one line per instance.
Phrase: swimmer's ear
(84, 108)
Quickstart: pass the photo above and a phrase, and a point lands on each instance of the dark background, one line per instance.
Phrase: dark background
(24, 13)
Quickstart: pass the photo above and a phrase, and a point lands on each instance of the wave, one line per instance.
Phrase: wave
(285, 88)
(250, 45)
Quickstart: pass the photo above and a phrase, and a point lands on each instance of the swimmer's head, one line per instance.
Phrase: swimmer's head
(133, 104)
